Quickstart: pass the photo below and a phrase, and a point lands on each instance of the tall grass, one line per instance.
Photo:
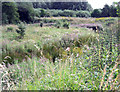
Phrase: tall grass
(97, 68)
(34, 40)
(40, 74)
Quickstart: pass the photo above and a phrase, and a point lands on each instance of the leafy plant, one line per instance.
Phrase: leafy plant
(21, 30)
(66, 25)
(10, 29)
(58, 24)
(41, 24)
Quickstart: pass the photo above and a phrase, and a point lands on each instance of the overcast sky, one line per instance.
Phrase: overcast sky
(100, 3)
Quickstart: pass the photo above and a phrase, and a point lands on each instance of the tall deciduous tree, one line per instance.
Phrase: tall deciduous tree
(26, 11)
(96, 13)
(106, 11)
(113, 11)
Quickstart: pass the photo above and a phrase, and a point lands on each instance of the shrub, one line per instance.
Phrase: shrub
(58, 24)
(108, 23)
(83, 14)
(49, 20)
(69, 13)
(42, 14)
(9, 29)
(96, 13)
(41, 24)
(66, 25)
(21, 30)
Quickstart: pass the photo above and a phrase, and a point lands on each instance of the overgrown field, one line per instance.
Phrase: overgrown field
(55, 54)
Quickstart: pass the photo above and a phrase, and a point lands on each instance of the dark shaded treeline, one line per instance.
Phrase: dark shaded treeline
(107, 11)
(14, 12)
(64, 5)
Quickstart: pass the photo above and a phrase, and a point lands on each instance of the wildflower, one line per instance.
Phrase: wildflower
(87, 47)
(1, 66)
(75, 82)
(72, 74)
(18, 67)
(68, 49)
(7, 57)
(77, 55)
(37, 47)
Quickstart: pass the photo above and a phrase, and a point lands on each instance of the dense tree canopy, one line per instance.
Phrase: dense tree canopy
(13, 12)
(26, 11)
(96, 13)
(107, 11)
(9, 13)
(63, 5)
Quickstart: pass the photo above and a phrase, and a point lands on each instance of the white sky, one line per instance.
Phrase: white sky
(100, 3)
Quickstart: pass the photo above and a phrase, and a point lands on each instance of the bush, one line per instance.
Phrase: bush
(58, 24)
(9, 29)
(54, 13)
(49, 20)
(41, 24)
(42, 13)
(66, 25)
(83, 14)
(21, 30)
(69, 13)
(96, 13)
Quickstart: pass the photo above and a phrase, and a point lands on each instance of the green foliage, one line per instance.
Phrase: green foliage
(41, 24)
(68, 44)
(109, 11)
(21, 30)
(10, 14)
(113, 11)
(63, 5)
(9, 29)
(67, 13)
(106, 11)
(118, 7)
(83, 14)
(42, 12)
(58, 24)
(26, 11)
(4, 18)
(96, 13)
(85, 67)
(57, 13)
(40, 74)
(66, 25)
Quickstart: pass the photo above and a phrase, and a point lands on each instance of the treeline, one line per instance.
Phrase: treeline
(57, 13)
(14, 12)
(107, 11)
(63, 5)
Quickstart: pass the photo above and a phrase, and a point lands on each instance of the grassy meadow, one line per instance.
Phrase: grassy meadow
(57, 55)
